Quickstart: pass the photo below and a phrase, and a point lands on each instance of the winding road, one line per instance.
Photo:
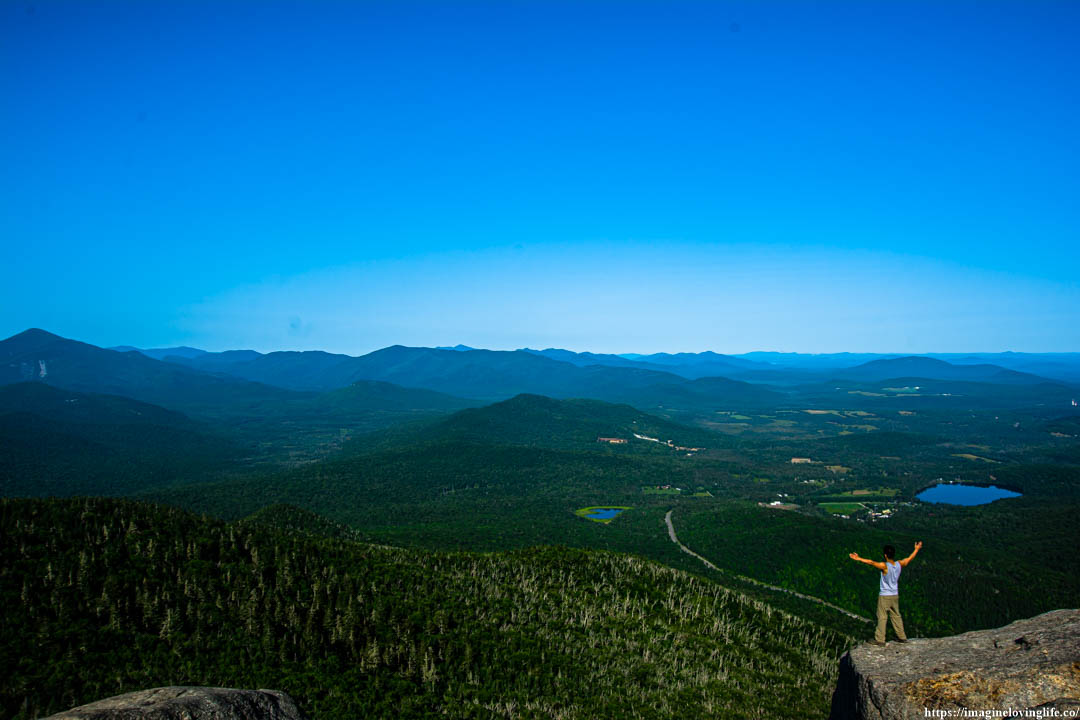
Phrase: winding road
(688, 551)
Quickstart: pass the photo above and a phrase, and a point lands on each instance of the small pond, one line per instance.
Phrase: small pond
(959, 494)
(603, 513)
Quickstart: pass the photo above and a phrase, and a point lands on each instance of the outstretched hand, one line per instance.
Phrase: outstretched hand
(854, 556)
(918, 545)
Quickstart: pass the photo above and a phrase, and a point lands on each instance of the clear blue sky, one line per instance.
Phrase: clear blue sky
(607, 176)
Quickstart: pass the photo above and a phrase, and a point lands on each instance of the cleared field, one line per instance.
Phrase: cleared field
(978, 458)
(868, 492)
(729, 428)
(840, 508)
(651, 490)
(781, 506)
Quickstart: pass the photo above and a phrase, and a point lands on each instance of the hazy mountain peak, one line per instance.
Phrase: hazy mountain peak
(28, 340)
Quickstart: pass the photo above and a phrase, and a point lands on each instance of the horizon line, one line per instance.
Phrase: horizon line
(454, 348)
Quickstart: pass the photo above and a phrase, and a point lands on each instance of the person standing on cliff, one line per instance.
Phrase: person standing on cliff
(888, 604)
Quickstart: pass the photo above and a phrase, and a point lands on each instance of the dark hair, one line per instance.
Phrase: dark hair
(890, 552)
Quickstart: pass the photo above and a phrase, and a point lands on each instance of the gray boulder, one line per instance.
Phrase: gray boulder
(1033, 663)
(188, 703)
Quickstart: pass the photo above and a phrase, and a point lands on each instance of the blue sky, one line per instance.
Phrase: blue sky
(631, 176)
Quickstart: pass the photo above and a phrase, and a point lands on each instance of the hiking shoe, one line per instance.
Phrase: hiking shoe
(902, 641)
(879, 644)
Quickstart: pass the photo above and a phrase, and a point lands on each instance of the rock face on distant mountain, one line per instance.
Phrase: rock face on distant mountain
(188, 703)
(1033, 663)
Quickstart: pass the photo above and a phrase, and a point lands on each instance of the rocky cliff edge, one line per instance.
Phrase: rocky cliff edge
(188, 703)
(1033, 663)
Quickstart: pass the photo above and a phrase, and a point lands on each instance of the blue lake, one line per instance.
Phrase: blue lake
(603, 513)
(957, 494)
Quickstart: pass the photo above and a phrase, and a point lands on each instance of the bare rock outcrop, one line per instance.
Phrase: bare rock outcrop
(188, 703)
(1033, 663)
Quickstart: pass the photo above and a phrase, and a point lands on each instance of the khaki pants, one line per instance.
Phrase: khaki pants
(889, 605)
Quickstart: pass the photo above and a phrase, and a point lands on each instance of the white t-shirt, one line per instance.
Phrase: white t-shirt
(890, 578)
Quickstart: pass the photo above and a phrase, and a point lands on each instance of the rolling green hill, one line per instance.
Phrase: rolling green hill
(503, 476)
(540, 421)
(60, 442)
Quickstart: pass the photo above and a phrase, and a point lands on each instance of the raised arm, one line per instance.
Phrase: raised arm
(879, 565)
(909, 558)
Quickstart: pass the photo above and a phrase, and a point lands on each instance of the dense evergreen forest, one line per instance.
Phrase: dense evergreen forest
(104, 596)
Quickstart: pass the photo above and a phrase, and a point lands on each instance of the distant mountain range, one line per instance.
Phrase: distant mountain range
(40, 357)
(402, 379)
(757, 366)
(1058, 366)
(687, 365)
(481, 375)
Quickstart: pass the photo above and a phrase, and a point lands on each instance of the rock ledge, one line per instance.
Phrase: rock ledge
(1033, 663)
(188, 703)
